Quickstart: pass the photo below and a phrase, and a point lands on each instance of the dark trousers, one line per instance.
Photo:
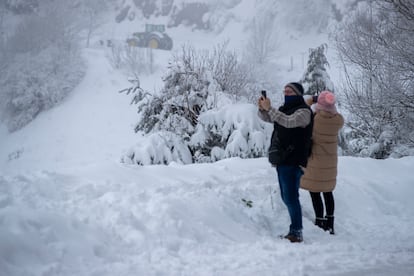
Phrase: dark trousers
(318, 204)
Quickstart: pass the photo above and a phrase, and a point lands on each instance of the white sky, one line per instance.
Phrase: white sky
(69, 207)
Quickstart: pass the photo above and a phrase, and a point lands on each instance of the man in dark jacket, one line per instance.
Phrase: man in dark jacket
(289, 148)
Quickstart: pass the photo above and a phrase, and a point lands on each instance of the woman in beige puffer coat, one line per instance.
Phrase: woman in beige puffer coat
(321, 171)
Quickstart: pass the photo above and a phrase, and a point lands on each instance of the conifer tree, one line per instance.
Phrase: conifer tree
(192, 118)
(316, 79)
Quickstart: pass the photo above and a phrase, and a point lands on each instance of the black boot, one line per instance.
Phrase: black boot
(321, 223)
(330, 224)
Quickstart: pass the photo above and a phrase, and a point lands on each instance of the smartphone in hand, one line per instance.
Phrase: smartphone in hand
(264, 94)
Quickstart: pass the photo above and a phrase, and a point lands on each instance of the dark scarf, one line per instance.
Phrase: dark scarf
(291, 101)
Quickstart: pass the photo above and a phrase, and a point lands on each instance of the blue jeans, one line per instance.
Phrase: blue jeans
(289, 181)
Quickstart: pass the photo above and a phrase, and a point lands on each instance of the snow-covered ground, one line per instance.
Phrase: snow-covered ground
(105, 218)
(69, 207)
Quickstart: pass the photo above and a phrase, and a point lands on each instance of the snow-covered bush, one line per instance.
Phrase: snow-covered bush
(32, 84)
(229, 131)
(43, 65)
(229, 74)
(183, 97)
(197, 110)
(161, 147)
(134, 61)
(232, 130)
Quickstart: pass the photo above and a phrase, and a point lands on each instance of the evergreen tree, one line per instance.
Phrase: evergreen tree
(316, 79)
(193, 118)
(179, 103)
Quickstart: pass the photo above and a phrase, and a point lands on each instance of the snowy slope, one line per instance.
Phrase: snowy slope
(69, 207)
(94, 123)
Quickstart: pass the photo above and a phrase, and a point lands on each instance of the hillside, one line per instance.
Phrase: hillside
(69, 207)
(97, 120)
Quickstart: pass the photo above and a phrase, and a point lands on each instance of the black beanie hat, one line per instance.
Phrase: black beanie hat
(297, 87)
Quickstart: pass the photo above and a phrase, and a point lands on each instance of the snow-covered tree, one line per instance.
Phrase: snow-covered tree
(316, 78)
(43, 65)
(262, 42)
(33, 84)
(182, 98)
(231, 76)
(189, 88)
(194, 114)
(379, 74)
(90, 15)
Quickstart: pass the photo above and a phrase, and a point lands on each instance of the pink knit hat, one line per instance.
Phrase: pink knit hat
(326, 102)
